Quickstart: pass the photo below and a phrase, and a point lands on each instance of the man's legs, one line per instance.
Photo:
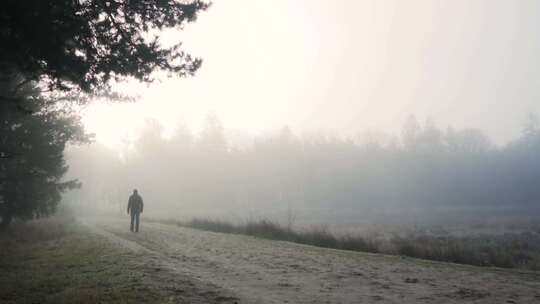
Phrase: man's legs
(132, 220)
(137, 216)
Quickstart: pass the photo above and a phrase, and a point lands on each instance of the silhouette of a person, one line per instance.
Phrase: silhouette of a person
(135, 208)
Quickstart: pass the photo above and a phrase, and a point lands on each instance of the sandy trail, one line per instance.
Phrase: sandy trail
(263, 271)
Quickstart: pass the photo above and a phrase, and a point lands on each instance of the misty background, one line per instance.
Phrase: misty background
(338, 112)
(426, 174)
(345, 67)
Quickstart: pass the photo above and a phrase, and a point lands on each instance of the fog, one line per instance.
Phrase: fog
(337, 112)
(425, 174)
(345, 67)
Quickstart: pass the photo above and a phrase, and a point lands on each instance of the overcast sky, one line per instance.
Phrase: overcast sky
(346, 66)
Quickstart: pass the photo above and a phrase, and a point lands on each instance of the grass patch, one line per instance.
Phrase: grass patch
(212, 225)
(515, 250)
(60, 262)
(521, 250)
(268, 229)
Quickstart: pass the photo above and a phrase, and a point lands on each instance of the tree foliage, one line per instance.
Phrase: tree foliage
(32, 164)
(83, 44)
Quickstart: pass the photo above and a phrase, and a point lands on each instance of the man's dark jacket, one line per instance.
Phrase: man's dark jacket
(135, 204)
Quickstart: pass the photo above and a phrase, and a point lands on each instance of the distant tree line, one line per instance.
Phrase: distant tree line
(425, 169)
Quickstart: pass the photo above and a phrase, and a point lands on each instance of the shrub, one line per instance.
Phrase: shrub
(357, 243)
(318, 237)
(211, 225)
(268, 229)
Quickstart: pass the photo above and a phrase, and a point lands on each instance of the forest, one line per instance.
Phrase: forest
(425, 174)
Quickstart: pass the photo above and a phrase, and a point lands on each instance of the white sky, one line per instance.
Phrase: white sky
(347, 66)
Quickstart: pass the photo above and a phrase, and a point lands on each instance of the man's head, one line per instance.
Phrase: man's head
(135, 191)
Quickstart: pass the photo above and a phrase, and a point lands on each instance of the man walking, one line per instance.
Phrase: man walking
(135, 206)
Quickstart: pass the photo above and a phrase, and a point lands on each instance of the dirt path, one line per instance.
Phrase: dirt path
(262, 271)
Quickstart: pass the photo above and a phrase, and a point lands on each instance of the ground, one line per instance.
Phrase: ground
(55, 261)
(169, 264)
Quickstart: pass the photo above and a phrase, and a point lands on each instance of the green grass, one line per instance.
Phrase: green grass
(51, 262)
